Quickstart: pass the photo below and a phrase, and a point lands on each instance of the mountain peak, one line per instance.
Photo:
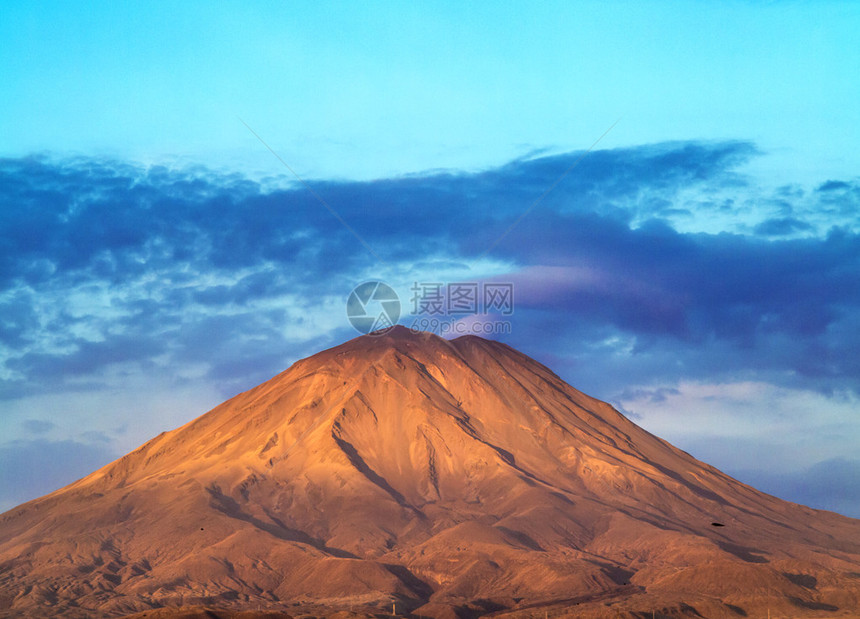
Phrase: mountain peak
(422, 346)
(398, 335)
(401, 333)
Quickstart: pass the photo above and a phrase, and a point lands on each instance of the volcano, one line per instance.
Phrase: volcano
(405, 473)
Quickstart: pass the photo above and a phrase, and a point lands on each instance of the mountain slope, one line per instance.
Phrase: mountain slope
(449, 476)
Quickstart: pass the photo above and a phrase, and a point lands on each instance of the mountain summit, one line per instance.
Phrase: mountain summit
(452, 478)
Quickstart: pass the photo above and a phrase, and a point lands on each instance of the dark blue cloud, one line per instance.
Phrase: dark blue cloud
(195, 239)
(782, 226)
(833, 185)
(840, 198)
(110, 267)
(116, 220)
(688, 292)
(86, 358)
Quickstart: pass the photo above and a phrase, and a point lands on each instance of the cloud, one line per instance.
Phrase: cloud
(832, 484)
(793, 443)
(785, 307)
(38, 426)
(782, 226)
(650, 267)
(833, 186)
(652, 396)
(151, 262)
(29, 469)
(86, 357)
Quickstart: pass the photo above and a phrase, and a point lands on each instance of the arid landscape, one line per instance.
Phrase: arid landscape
(499, 309)
(407, 473)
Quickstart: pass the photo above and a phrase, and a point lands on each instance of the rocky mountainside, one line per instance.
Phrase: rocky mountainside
(451, 478)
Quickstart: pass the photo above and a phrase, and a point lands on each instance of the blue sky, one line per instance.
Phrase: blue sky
(700, 269)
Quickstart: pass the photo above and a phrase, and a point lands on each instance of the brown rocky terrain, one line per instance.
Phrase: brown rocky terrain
(451, 478)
